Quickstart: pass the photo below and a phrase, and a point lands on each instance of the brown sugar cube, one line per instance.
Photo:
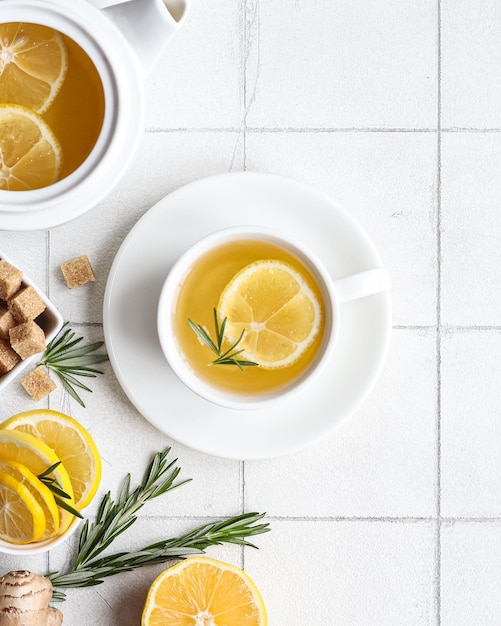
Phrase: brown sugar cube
(38, 383)
(26, 304)
(10, 280)
(7, 321)
(27, 339)
(8, 358)
(77, 272)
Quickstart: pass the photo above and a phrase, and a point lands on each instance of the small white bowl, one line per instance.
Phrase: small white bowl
(38, 547)
(51, 322)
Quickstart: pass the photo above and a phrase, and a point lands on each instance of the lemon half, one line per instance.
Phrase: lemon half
(201, 590)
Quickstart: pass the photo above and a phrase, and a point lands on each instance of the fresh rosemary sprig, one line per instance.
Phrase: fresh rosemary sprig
(59, 494)
(67, 361)
(227, 357)
(112, 519)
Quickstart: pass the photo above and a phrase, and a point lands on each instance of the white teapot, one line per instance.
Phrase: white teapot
(122, 39)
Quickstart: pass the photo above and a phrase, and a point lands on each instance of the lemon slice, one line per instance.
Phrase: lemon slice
(200, 590)
(71, 442)
(37, 457)
(33, 65)
(278, 311)
(22, 519)
(30, 154)
(42, 494)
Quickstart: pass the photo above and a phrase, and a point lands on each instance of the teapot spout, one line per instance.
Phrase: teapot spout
(146, 24)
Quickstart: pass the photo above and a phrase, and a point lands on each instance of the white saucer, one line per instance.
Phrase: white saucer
(130, 310)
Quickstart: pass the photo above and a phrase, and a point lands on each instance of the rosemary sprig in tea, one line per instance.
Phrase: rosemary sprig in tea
(67, 361)
(227, 357)
(113, 518)
(59, 494)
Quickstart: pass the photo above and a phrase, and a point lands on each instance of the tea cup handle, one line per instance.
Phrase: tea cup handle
(362, 284)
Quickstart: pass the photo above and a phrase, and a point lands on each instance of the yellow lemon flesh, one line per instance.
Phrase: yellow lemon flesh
(33, 65)
(22, 519)
(71, 442)
(278, 312)
(30, 154)
(37, 457)
(42, 494)
(200, 590)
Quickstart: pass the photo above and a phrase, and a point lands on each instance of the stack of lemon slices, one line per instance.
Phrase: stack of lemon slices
(33, 66)
(31, 443)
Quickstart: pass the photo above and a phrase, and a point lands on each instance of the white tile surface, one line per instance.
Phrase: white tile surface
(353, 573)
(470, 424)
(382, 463)
(346, 64)
(470, 574)
(471, 223)
(198, 83)
(470, 60)
(391, 108)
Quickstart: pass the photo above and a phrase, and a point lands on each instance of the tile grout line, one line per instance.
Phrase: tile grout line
(349, 519)
(438, 556)
(318, 130)
(449, 328)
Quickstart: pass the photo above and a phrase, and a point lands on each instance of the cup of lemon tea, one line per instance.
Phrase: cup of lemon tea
(249, 316)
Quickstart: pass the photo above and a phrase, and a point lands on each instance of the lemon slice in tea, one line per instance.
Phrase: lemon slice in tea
(30, 154)
(277, 310)
(33, 65)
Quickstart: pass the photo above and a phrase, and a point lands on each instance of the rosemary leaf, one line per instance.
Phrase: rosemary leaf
(227, 357)
(68, 361)
(91, 566)
(59, 494)
(234, 530)
(64, 505)
(203, 335)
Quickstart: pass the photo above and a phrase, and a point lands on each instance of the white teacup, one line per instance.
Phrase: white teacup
(333, 292)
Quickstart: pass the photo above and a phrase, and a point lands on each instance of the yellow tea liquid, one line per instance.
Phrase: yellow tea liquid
(76, 114)
(199, 295)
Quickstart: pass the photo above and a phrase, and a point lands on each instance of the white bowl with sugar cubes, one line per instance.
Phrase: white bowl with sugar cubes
(28, 322)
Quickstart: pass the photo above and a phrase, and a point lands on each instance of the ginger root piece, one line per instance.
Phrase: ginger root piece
(24, 600)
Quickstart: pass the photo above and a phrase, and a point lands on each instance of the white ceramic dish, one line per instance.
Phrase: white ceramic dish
(51, 322)
(29, 549)
(137, 276)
